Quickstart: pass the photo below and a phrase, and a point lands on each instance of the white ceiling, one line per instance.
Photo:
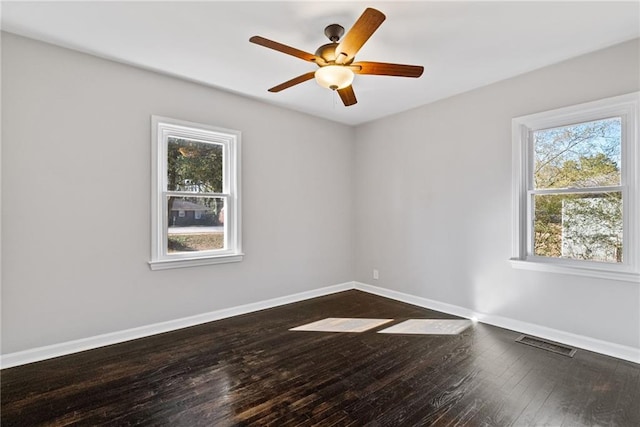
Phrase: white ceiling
(462, 45)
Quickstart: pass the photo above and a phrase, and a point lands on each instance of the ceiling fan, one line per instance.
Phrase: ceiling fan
(336, 59)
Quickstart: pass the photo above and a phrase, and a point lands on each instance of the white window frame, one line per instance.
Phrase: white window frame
(162, 128)
(624, 106)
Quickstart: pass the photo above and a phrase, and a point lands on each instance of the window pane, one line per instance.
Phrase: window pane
(195, 224)
(194, 166)
(579, 226)
(580, 155)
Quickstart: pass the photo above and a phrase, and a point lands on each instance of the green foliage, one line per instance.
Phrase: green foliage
(593, 171)
(194, 166)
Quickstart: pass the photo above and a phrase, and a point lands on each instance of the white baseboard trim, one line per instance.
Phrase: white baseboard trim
(55, 350)
(631, 354)
(48, 352)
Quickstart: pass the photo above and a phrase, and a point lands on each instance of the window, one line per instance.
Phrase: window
(576, 189)
(195, 213)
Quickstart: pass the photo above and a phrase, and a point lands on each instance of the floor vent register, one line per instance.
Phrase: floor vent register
(546, 345)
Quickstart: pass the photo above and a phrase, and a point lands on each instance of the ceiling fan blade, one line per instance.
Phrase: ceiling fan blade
(283, 48)
(364, 27)
(385, 69)
(293, 82)
(348, 96)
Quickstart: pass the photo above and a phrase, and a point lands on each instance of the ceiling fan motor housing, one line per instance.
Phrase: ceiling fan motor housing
(327, 52)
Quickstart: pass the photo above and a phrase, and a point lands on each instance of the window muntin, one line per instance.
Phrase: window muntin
(196, 199)
(575, 182)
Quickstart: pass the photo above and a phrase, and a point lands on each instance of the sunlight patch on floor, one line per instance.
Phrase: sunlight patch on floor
(342, 324)
(429, 327)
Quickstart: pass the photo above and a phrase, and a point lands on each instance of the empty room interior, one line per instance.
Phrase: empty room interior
(320, 213)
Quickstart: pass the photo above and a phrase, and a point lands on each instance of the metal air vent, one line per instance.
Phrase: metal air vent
(546, 345)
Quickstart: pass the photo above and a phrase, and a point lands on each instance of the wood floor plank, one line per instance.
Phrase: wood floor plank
(251, 370)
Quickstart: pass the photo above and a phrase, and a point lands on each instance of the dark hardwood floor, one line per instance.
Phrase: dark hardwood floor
(251, 370)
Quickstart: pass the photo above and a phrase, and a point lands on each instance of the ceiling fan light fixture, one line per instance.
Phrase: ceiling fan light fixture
(334, 77)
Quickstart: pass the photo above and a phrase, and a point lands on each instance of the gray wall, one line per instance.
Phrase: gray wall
(76, 198)
(433, 202)
(424, 196)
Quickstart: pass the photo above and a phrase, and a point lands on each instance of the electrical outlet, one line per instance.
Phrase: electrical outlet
(376, 276)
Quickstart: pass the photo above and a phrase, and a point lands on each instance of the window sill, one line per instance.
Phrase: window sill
(194, 262)
(576, 271)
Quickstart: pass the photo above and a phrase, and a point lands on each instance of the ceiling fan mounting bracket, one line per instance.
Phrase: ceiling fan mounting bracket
(334, 32)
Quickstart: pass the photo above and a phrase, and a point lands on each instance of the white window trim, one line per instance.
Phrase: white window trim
(161, 128)
(625, 106)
